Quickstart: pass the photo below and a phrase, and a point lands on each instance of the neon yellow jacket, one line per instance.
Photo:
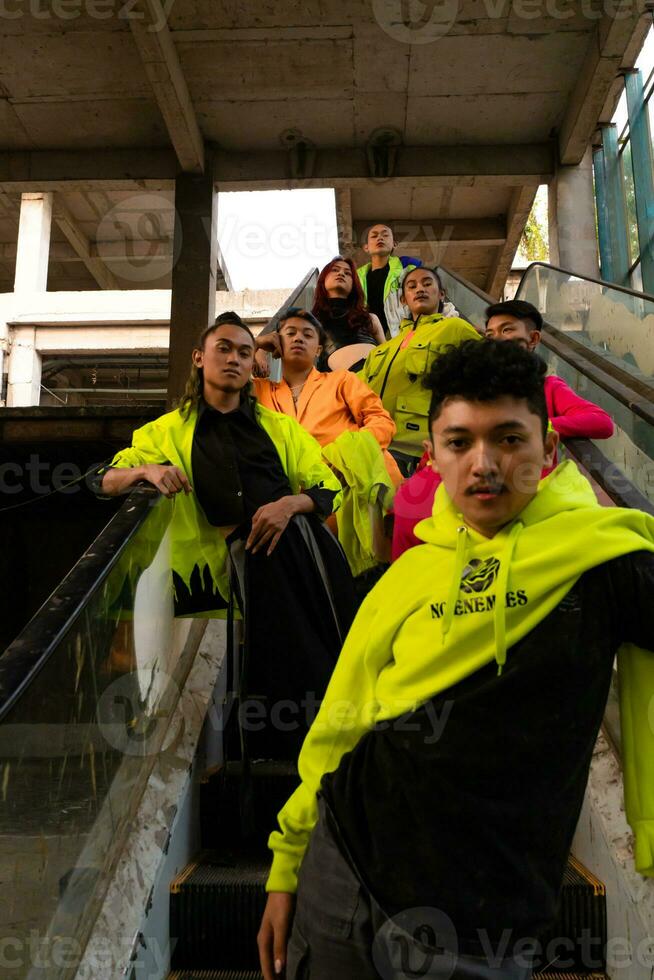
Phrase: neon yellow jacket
(195, 541)
(357, 456)
(397, 656)
(394, 309)
(395, 372)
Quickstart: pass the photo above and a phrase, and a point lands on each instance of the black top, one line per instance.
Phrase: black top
(375, 282)
(339, 333)
(469, 804)
(236, 467)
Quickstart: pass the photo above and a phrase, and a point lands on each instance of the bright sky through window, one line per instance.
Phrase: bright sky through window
(271, 239)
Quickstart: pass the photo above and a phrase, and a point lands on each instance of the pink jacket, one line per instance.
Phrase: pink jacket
(570, 415)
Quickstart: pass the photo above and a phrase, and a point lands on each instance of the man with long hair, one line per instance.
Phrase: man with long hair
(251, 482)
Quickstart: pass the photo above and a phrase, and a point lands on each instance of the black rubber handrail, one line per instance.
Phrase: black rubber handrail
(26, 656)
(607, 475)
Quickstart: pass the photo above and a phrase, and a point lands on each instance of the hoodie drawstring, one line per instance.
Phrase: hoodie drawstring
(499, 612)
(455, 583)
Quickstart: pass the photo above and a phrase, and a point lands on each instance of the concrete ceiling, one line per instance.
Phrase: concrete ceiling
(104, 101)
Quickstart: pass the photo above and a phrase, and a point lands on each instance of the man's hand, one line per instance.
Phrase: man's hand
(260, 368)
(169, 480)
(270, 521)
(273, 934)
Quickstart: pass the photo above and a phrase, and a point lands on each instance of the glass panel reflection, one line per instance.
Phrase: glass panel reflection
(76, 751)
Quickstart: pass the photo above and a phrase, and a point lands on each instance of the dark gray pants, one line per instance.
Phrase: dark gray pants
(340, 933)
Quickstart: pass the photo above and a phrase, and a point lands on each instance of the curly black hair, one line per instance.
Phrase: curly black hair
(483, 371)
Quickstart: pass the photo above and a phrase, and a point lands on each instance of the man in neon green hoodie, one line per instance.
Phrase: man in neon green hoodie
(395, 370)
(254, 482)
(444, 774)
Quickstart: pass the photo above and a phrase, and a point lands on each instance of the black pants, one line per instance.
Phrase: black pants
(298, 605)
(407, 465)
(340, 933)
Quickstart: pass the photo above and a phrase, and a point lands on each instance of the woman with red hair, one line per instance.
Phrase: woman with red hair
(351, 330)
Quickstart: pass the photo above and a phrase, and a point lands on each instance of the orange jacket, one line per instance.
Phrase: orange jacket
(331, 402)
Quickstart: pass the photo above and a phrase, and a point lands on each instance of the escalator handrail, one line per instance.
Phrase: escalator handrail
(607, 475)
(629, 391)
(291, 301)
(576, 275)
(624, 387)
(30, 651)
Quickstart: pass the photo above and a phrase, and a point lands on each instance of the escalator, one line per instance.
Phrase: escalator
(123, 848)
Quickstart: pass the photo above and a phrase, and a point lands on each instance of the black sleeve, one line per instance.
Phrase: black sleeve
(632, 577)
(323, 500)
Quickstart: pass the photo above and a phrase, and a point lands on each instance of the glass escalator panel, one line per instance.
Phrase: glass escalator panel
(79, 736)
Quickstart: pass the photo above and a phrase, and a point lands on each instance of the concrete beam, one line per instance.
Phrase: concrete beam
(161, 61)
(614, 46)
(69, 225)
(522, 200)
(66, 170)
(152, 249)
(441, 231)
(155, 169)
(417, 166)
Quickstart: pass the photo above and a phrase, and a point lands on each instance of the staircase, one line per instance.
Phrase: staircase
(217, 902)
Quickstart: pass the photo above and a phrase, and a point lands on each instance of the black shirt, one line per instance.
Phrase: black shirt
(375, 282)
(339, 333)
(236, 467)
(469, 804)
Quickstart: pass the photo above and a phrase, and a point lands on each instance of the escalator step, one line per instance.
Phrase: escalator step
(224, 812)
(215, 975)
(581, 919)
(215, 910)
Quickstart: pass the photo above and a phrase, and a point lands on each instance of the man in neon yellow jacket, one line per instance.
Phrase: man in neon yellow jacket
(253, 482)
(443, 777)
(395, 370)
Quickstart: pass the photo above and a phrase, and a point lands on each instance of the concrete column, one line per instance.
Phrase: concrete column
(571, 219)
(343, 200)
(24, 378)
(33, 246)
(193, 300)
(32, 252)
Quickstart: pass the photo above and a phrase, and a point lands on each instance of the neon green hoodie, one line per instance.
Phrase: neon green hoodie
(194, 541)
(415, 636)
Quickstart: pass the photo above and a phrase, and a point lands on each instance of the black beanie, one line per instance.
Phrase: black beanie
(518, 308)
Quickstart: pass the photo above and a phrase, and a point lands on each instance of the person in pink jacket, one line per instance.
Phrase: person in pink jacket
(570, 415)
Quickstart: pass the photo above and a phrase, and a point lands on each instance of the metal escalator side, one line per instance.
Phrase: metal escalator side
(91, 695)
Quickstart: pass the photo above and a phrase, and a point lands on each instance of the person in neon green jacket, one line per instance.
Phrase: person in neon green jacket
(252, 482)
(395, 370)
(381, 278)
(442, 779)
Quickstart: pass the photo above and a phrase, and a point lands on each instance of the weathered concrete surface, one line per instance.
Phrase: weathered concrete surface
(94, 106)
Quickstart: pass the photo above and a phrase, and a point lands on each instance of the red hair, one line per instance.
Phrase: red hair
(358, 317)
